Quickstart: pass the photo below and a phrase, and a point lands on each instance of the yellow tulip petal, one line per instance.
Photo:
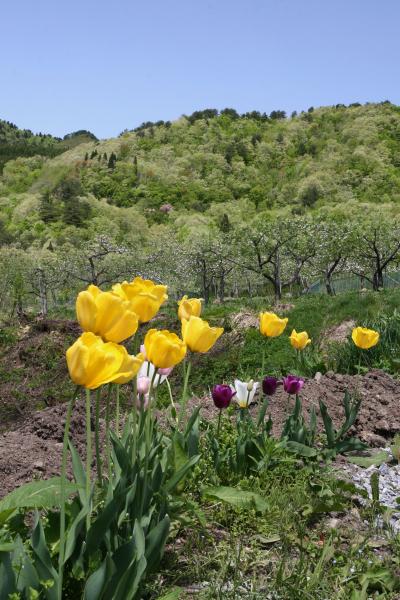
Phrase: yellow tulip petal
(163, 348)
(271, 325)
(188, 307)
(86, 310)
(198, 335)
(365, 338)
(110, 309)
(300, 340)
(124, 328)
(129, 368)
(145, 297)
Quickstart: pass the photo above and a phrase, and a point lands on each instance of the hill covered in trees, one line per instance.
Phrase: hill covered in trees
(325, 156)
(15, 142)
(211, 196)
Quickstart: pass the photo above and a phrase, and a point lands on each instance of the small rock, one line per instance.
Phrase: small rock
(333, 523)
(372, 439)
(318, 377)
(39, 465)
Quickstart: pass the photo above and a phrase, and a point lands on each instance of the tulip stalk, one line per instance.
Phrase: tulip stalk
(88, 451)
(171, 398)
(117, 411)
(97, 439)
(219, 423)
(108, 450)
(148, 432)
(134, 416)
(62, 493)
(186, 370)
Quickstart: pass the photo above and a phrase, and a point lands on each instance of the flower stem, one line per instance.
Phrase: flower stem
(88, 452)
(219, 423)
(287, 404)
(134, 417)
(182, 412)
(171, 398)
(148, 431)
(108, 450)
(359, 362)
(117, 411)
(62, 494)
(97, 439)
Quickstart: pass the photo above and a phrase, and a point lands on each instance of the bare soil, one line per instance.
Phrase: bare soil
(33, 371)
(379, 416)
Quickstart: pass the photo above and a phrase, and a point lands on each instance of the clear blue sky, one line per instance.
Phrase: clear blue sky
(107, 65)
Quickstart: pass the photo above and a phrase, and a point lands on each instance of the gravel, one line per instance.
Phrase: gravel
(389, 484)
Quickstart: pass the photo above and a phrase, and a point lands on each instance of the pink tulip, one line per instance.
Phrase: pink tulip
(165, 371)
(143, 385)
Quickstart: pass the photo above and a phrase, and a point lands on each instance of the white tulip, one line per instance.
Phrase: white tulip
(244, 396)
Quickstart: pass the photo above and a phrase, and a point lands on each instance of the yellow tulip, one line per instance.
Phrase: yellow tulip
(198, 335)
(163, 348)
(105, 314)
(364, 338)
(93, 362)
(188, 307)
(271, 325)
(145, 297)
(299, 340)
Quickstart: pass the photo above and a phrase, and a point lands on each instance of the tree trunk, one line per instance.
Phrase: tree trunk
(377, 282)
(249, 288)
(330, 290)
(277, 278)
(42, 294)
(221, 289)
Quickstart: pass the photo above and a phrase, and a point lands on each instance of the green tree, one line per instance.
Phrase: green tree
(47, 209)
(112, 161)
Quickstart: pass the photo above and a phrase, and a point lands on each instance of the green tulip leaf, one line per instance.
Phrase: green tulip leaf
(236, 497)
(301, 449)
(37, 494)
(376, 459)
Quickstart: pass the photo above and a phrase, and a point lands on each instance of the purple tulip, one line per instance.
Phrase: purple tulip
(269, 385)
(222, 395)
(292, 384)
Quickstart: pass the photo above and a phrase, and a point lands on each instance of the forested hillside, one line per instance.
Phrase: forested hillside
(249, 187)
(15, 142)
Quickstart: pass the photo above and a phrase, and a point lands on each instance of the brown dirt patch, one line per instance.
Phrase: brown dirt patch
(283, 307)
(379, 416)
(244, 320)
(338, 333)
(33, 451)
(33, 371)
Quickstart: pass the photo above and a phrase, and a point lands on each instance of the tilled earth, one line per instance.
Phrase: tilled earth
(34, 449)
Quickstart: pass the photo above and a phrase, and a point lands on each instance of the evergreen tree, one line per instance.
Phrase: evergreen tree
(112, 160)
(47, 210)
(75, 212)
(224, 224)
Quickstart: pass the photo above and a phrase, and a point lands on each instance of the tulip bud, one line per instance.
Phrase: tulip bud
(292, 384)
(142, 401)
(222, 395)
(250, 385)
(167, 371)
(143, 385)
(269, 385)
